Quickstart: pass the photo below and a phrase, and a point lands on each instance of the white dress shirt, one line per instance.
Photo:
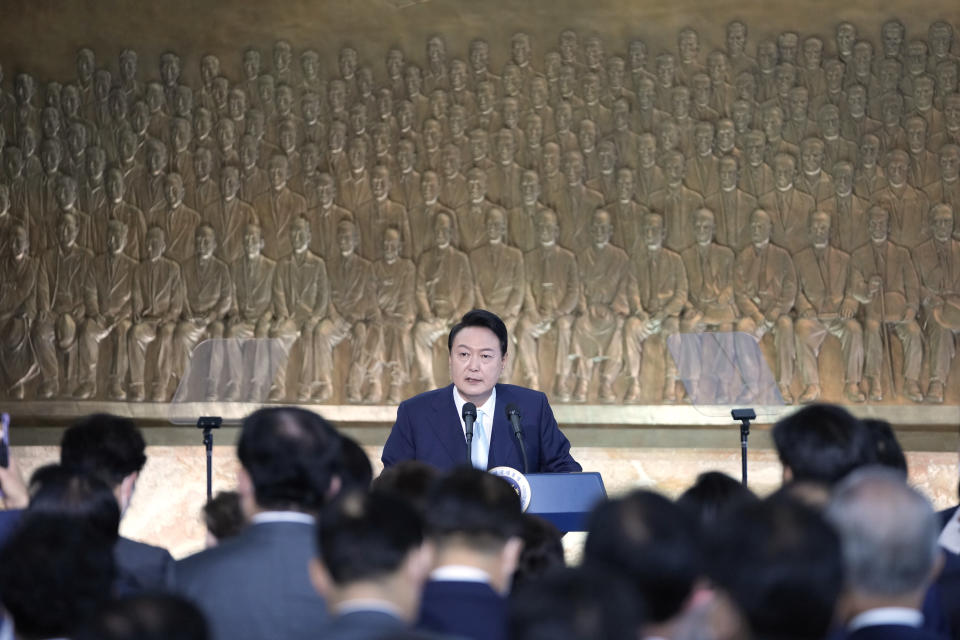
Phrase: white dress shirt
(482, 427)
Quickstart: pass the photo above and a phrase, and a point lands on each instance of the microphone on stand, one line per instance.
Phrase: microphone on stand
(513, 415)
(469, 414)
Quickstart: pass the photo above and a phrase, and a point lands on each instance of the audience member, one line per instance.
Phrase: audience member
(410, 479)
(888, 534)
(73, 496)
(712, 497)
(542, 550)
(584, 603)
(888, 450)
(357, 470)
(148, 616)
(474, 520)
(53, 577)
(822, 443)
(223, 517)
(780, 563)
(257, 585)
(653, 543)
(113, 449)
(372, 565)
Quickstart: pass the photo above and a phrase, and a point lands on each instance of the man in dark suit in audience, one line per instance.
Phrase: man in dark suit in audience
(257, 585)
(888, 532)
(372, 565)
(474, 519)
(112, 448)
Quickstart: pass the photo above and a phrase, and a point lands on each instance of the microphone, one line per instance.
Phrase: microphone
(513, 415)
(469, 414)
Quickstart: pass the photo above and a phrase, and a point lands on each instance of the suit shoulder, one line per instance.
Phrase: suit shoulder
(426, 398)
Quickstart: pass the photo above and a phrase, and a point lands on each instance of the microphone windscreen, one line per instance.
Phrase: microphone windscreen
(512, 410)
(469, 409)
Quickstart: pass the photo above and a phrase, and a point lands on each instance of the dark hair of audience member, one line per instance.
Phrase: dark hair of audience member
(484, 319)
(364, 536)
(357, 471)
(712, 496)
(54, 575)
(148, 616)
(74, 496)
(292, 456)
(107, 445)
(780, 562)
(888, 450)
(822, 442)
(223, 515)
(653, 543)
(471, 504)
(582, 603)
(410, 479)
(542, 550)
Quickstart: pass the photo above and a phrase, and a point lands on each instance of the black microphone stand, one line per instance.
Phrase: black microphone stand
(744, 416)
(208, 424)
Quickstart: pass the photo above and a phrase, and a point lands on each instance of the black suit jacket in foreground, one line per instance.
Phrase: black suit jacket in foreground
(257, 585)
(142, 567)
(362, 625)
(463, 609)
(428, 429)
(893, 632)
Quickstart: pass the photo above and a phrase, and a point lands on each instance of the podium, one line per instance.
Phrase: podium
(565, 499)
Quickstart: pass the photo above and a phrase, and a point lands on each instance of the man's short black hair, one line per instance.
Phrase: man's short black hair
(223, 515)
(713, 495)
(887, 447)
(476, 506)
(291, 455)
(54, 576)
(780, 563)
(367, 536)
(583, 603)
(357, 470)
(148, 616)
(481, 318)
(542, 550)
(74, 496)
(651, 542)
(106, 445)
(412, 480)
(823, 443)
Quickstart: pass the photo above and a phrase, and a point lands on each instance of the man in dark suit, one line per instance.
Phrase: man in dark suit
(430, 428)
(13, 497)
(888, 531)
(257, 585)
(112, 448)
(372, 565)
(475, 523)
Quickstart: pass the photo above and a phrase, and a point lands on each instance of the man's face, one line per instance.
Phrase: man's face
(674, 169)
(917, 135)
(703, 228)
(379, 185)
(601, 229)
(476, 363)
(496, 226)
(114, 186)
(726, 135)
(647, 151)
(278, 174)
(688, 46)
(607, 157)
(300, 235)
(951, 113)
(251, 64)
(923, 94)
(391, 245)
(476, 186)
(753, 150)
(877, 224)
(19, 242)
(205, 243)
(529, 188)
(624, 185)
(830, 123)
(949, 164)
(868, 153)
(547, 229)
(155, 244)
(834, 76)
(760, 229)
(783, 174)
(173, 193)
(812, 158)
(736, 38)
(653, 232)
(897, 171)
(942, 225)
(846, 36)
(252, 242)
(442, 231)
(573, 169)
(230, 184)
(551, 161)
(843, 181)
(728, 175)
(820, 229)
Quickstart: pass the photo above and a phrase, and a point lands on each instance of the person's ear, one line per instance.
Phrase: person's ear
(320, 577)
(509, 558)
(127, 485)
(248, 499)
(336, 483)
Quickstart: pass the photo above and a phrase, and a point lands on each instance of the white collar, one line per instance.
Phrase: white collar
(460, 573)
(282, 516)
(488, 408)
(901, 616)
(368, 604)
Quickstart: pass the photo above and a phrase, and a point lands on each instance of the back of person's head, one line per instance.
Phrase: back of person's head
(583, 603)
(54, 575)
(779, 561)
(712, 496)
(357, 472)
(542, 550)
(822, 442)
(653, 543)
(410, 479)
(888, 450)
(107, 445)
(474, 508)
(888, 531)
(160, 616)
(223, 515)
(74, 496)
(367, 536)
(292, 457)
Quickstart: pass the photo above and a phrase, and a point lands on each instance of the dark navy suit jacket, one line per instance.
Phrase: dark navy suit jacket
(362, 625)
(464, 609)
(428, 429)
(893, 632)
